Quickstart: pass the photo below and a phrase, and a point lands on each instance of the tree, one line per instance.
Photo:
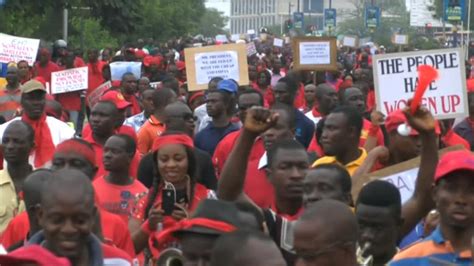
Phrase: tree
(211, 23)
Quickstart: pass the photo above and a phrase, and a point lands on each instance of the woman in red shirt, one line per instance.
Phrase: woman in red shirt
(175, 171)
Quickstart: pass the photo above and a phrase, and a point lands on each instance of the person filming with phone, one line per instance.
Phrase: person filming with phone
(174, 193)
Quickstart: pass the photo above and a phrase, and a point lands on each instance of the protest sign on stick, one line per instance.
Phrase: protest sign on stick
(400, 39)
(395, 77)
(225, 61)
(95, 95)
(14, 49)
(402, 175)
(278, 42)
(350, 41)
(68, 80)
(315, 53)
(251, 49)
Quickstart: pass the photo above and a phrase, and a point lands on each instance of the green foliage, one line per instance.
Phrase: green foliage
(94, 36)
(211, 23)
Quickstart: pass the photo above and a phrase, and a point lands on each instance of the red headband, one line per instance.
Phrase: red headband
(73, 146)
(172, 139)
(166, 236)
(195, 96)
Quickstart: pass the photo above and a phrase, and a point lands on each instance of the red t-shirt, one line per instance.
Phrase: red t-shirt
(117, 199)
(45, 72)
(114, 231)
(294, 217)
(136, 109)
(300, 101)
(95, 75)
(225, 146)
(99, 152)
(114, 256)
(257, 185)
(70, 101)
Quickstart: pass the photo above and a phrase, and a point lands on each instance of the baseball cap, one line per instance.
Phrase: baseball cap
(454, 161)
(180, 65)
(33, 254)
(227, 85)
(116, 98)
(32, 85)
(396, 118)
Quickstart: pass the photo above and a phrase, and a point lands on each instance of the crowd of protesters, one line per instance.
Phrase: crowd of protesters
(258, 174)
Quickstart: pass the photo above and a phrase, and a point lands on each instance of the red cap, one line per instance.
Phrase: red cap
(117, 98)
(470, 85)
(180, 65)
(33, 254)
(396, 118)
(196, 95)
(151, 60)
(140, 54)
(454, 161)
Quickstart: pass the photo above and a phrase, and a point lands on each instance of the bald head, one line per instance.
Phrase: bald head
(68, 186)
(326, 98)
(327, 224)
(33, 186)
(179, 117)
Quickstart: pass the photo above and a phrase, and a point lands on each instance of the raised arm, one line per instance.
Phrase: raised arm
(231, 183)
(421, 202)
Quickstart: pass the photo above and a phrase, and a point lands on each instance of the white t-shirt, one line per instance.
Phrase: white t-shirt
(60, 132)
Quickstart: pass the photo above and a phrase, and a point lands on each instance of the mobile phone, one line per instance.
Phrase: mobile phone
(168, 199)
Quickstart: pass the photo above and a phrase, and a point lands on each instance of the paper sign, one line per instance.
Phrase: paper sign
(235, 37)
(315, 53)
(117, 69)
(155, 85)
(396, 79)
(74, 79)
(225, 61)
(95, 95)
(400, 39)
(349, 41)
(221, 38)
(278, 42)
(250, 32)
(251, 49)
(14, 49)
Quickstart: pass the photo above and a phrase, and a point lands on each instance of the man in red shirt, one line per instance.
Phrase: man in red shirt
(44, 67)
(128, 88)
(116, 191)
(95, 67)
(69, 197)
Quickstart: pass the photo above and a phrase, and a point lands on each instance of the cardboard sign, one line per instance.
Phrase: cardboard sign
(315, 53)
(278, 42)
(396, 78)
(235, 37)
(14, 49)
(350, 41)
(402, 175)
(400, 39)
(74, 79)
(226, 61)
(95, 95)
(117, 69)
(251, 49)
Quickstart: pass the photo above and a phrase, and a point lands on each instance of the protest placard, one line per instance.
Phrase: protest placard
(155, 85)
(251, 49)
(278, 42)
(117, 69)
(315, 53)
(226, 61)
(402, 175)
(95, 95)
(14, 49)
(400, 39)
(221, 38)
(235, 37)
(396, 75)
(68, 80)
(350, 41)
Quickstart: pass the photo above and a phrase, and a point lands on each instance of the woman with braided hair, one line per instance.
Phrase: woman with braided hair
(175, 167)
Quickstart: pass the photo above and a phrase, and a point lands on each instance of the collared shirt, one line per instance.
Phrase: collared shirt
(257, 186)
(136, 121)
(10, 203)
(148, 133)
(351, 167)
(434, 250)
(209, 137)
(9, 103)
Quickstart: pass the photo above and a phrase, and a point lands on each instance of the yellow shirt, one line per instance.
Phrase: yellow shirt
(350, 167)
(10, 204)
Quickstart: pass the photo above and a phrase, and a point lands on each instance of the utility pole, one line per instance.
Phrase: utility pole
(330, 3)
(65, 21)
(298, 5)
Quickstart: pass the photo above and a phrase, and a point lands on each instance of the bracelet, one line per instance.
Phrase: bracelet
(373, 130)
(145, 227)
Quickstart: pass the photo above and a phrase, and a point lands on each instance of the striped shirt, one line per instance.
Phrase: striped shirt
(9, 103)
(434, 250)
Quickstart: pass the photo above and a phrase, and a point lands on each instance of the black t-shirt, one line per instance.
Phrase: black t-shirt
(205, 171)
(281, 231)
